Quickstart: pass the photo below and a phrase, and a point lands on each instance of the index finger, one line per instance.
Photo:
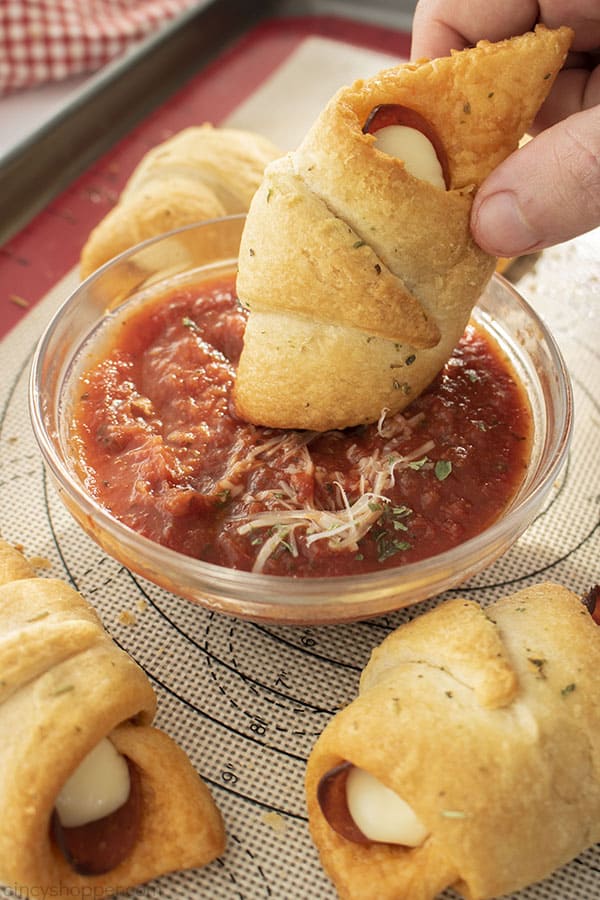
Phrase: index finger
(443, 25)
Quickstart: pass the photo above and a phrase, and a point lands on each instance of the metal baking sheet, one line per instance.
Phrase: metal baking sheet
(128, 89)
(59, 186)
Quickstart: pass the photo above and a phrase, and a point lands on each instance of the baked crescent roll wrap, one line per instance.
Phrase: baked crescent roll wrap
(359, 276)
(487, 723)
(200, 173)
(64, 687)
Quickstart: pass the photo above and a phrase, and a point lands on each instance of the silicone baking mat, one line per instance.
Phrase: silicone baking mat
(247, 701)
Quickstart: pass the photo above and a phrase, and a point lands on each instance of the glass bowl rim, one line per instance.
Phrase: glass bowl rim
(256, 588)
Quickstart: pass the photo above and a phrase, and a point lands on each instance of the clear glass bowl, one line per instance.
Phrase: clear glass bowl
(188, 255)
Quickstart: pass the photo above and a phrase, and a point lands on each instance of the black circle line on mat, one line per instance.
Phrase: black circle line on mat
(206, 715)
(276, 638)
(248, 679)
(326, 659)
(511, 581)
(201, 712)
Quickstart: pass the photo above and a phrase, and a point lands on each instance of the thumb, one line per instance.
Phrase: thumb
(546, 192)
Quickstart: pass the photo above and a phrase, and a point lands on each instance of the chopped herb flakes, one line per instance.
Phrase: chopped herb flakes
(39, 617)
(66, 689)
(358, 244)
(568, 689)
(386, 541)
(388, 546)
(538, 666)
(443, 468)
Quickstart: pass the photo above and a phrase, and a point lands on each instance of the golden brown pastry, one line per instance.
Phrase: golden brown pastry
(359, 274)
(93, 797)
(485, 727)
(200, 173)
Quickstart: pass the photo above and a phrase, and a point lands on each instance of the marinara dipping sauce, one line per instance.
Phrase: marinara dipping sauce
(159, 445)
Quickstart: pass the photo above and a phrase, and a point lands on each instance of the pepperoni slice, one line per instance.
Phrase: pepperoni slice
(331, 795)
(100, 846)
(592, 601)
(387, 114)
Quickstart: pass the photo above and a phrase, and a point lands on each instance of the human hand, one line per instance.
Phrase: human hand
(548, 191)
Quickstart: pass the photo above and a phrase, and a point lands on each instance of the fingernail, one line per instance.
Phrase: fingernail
(501, 228)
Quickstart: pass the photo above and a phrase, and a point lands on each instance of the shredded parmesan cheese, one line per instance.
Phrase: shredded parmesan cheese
(345, 522)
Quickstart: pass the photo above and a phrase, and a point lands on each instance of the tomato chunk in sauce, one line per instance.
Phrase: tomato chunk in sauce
(159, 445)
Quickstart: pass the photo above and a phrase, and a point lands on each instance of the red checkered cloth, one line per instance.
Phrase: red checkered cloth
(48, 40)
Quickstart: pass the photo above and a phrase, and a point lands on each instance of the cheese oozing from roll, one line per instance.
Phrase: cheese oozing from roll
(414, 149)
(88, 807)
(380, 813)
(98, 786)
(486, 721)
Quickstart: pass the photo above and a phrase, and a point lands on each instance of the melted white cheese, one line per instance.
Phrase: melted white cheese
(97, 787)
(414, 149)
(380, 813)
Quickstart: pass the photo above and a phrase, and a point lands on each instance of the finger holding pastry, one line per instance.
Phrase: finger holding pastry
(467, 758)
(353, 260)
(514, 212)
(85, 797)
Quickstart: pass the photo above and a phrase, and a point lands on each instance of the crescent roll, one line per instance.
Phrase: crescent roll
(359, 275)
(75, 717)
(200, 173)
(483, 725)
